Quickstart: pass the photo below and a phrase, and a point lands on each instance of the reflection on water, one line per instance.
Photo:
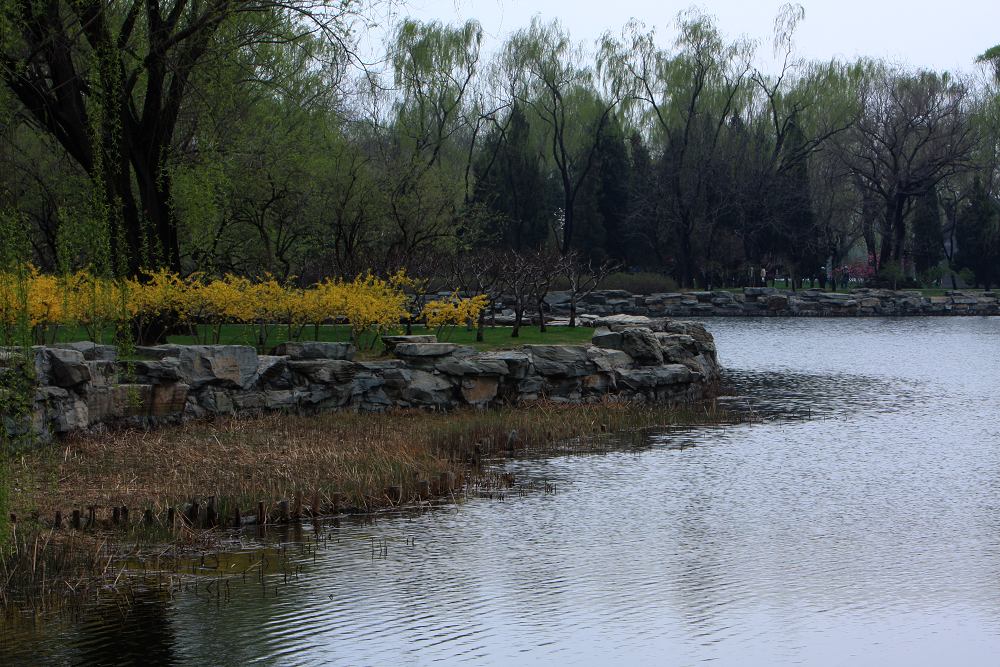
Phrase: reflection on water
(859, 523)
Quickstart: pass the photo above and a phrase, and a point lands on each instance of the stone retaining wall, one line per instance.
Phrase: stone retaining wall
(767, 301)
(82, 386)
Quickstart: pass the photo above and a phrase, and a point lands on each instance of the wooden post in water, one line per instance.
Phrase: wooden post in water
(261, 516)
(192, 513)
(283, 511)
(147, 517)
(211, 516)
(115, 516)
(237, 519)
(91, 516)
(57, 523)
(447, 481)
(125, 516)
(75, 522)
(171, 518)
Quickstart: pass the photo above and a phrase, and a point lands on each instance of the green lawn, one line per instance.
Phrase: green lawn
(239, 334)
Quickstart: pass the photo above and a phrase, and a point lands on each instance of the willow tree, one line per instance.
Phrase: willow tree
(424, 138)
(547, 77)
(685, 97)
(110, 79)
(913, 132)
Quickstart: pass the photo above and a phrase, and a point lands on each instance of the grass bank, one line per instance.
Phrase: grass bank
(133, 482)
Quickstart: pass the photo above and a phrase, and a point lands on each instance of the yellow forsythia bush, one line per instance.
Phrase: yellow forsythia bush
(454, 310)
(368, 303)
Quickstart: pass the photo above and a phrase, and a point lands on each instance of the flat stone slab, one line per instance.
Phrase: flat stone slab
(391, 342)
(315, 350)
(426, 349)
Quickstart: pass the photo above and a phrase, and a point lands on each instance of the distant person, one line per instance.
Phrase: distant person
(763, 277)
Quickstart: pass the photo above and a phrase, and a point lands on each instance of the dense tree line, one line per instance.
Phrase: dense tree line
(249, 137)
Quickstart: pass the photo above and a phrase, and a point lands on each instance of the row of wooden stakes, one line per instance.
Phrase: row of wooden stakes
(206, 515)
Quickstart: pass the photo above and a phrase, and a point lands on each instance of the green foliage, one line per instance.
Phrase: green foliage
(264, 150)
(928, 237)
(891, 274)
(978, 237)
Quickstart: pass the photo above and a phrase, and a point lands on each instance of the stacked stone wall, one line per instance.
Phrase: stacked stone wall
(766, 302)
(83, 386)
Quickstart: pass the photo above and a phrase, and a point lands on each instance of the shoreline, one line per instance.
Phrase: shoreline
(407, 460)
(774, 302)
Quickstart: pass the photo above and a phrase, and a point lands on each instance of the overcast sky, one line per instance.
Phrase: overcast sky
(945, 34)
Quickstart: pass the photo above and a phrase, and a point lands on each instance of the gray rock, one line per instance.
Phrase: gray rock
(103, 372)
(475, 365)
(609, 360)
(225, 365)
(67, 367)
(405, 350)
(107, 403)
(299, 350)
(599, 383)
(325, 371)
(167, 399)
(640, 343)
(271, 372)
(71, 415)
(92, 351)
(216, 401)
(558, 298)
(775, 302)
(518, 363)
(643, 379)
(604, 337)
(563, 389)
(479, 391)
(564, 360)
(166, 369)
(390, 342)
(428, 389)
(619, 322)
(279, 399)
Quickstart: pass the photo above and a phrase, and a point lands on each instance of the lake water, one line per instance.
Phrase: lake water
(858, 523)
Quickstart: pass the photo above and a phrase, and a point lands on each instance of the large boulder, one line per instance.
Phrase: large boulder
(604, 337)
(645, 379)
(272, 372)
(167, 399)
(102, 373)
(609, 360)
(151, 371)
(619, 322)
(324, 371)
(640, 343)
(475, 365)
(428, 390)
(390, 342)
(226, 365)
(775, 302)
(67, 368)
(518, 363)
(564, 360)
(479, 391)
(411, 350)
